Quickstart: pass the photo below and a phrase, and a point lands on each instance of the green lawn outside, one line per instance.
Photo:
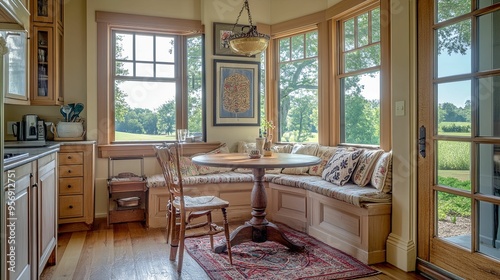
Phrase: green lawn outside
(125, 136)
(464, 134)
(441, 132)
(462, 175)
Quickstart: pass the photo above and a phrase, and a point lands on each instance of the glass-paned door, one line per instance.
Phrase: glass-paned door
(459, 109)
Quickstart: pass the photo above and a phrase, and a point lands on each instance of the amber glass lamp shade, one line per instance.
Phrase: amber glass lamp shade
(248, 44)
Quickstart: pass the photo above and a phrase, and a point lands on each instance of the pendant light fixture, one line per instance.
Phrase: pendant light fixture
(247, 43)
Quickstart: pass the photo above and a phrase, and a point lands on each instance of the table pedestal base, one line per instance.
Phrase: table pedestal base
(258, 229)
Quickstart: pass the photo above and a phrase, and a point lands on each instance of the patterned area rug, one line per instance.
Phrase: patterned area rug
(270, 260)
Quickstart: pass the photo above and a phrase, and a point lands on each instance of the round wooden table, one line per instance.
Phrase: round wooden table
(258, 229)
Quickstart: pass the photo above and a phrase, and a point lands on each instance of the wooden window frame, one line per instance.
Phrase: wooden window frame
(337, 14)
(106, 23)
(278, 63)
(328, 84)
(341, 73)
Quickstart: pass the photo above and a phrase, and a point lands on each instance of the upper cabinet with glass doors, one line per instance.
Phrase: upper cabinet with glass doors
(47, 32)
(15, 74)
(15, 12)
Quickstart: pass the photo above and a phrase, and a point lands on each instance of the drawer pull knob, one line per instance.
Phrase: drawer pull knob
(69, 171)
(69, 157)
(71, 207)
(69, 186)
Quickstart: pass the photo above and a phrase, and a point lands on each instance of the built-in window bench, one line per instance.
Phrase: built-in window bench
(355, 219)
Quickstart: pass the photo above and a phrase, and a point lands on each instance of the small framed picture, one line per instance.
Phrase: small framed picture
(222, 31)
(236, 93)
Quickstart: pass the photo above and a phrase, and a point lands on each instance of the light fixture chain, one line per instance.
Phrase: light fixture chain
(245, 6)
(238, 18)
(247, 43)
(249, 15)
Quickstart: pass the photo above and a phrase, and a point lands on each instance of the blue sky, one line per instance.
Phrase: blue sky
(454, 64)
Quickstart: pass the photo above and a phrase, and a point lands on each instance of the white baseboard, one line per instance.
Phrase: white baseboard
(401, 253)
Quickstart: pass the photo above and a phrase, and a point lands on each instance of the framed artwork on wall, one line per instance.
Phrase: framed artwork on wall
(222, 31)
(236, 93)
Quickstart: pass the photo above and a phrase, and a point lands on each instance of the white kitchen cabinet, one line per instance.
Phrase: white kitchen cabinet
(30, 216)
(18, 239)
(46, 211)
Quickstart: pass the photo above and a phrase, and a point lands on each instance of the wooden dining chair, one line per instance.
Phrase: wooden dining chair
(184, 210)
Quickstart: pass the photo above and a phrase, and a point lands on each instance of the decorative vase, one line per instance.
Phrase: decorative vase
(259, 144)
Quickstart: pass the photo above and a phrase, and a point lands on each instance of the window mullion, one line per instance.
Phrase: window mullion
(133, 55)
(154, 56)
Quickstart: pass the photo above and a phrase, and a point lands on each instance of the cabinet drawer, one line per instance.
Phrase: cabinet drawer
(71, 158)
(70, 206)
(71, 185)
(71, 170)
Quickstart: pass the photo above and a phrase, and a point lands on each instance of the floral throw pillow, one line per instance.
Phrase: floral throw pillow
(278, 148)
(203, 169)
(188, 168)
(364, 170)
(245, 147)
(324, 153)
(382, 174)
(340, 167)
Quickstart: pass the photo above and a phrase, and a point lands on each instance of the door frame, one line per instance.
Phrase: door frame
(433, 253)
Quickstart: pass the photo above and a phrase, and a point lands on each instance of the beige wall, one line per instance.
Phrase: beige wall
(283, 10)
(208, 11)
(227, 11)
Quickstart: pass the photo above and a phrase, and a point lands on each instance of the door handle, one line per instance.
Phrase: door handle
(421, 141)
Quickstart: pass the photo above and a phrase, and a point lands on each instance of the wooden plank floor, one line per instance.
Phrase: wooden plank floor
(130, 251)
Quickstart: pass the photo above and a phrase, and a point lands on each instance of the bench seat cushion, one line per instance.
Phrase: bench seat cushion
(350, 192)
(158, 180)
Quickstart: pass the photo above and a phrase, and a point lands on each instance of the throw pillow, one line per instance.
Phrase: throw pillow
(304, 149)
(203, 170)
(340, 167)
(245, 147)
(364, 170)
(382, 174)
(324, 153)
(278, 148)
(188, 168)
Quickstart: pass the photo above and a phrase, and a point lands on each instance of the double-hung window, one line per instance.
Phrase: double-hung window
(359, 77)
(150, 82)
(333, 76)
(145, 85)
(298, 87)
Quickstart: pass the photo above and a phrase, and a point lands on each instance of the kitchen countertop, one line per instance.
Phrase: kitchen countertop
(37, 152)
(34, 154)
(82, 142)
